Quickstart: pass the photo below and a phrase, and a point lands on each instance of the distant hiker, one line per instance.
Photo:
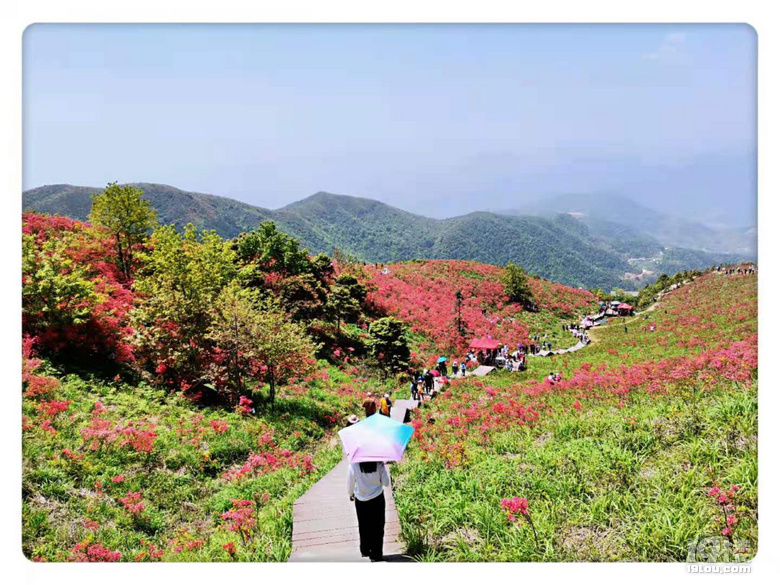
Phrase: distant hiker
(462, 368)
(454, 368)
(551, 378)
(369, 405)
(557, 376)
(365, 486)
(625, 328)
(420, 387)
(428, 382)
(413, 390)
(385, 404)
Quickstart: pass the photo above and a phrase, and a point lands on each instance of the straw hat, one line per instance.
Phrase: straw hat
(352, 419)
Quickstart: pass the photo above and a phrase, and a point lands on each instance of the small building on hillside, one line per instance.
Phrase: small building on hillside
(624, 309)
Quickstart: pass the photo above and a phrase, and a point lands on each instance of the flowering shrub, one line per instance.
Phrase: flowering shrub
(725, 501)
(514, 507)
(241, 517)
(105, 432)
(133, 503)
(74, 300)
(244, 407)
(86, 552)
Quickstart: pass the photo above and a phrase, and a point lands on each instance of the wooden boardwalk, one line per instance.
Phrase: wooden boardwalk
(399, 409)
(325, 526)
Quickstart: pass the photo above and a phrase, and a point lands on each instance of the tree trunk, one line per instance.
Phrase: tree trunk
(272, 388)
(120, 252)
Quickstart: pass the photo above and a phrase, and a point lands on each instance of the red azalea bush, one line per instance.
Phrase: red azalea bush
(75, 300)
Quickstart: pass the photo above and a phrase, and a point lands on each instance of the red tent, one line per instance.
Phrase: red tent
(625, 307)
(485, 343)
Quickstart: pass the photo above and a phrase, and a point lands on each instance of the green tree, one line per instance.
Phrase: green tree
(56, 291)
(272, 249)
(303, 296)
(516, 285)
(345, 299)
(120, 209)
(342, 306)
(322, 268)
(387, 343)
(282, 347)
(356, 290)
(178, 286)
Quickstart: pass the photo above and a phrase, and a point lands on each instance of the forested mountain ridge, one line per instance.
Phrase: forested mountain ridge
(599, 253)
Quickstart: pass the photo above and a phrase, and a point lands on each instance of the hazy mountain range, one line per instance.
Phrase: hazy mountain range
(581, 240)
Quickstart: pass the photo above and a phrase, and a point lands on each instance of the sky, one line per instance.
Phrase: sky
(439, 120)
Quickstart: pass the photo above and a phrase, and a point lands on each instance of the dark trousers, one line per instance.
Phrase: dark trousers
(371, 525)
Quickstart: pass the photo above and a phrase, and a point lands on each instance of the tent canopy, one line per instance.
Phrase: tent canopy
(625, 306)
(484, 343)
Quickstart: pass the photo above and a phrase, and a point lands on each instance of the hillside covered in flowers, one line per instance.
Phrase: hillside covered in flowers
(424, 294)
(180, 391)
(647, 444)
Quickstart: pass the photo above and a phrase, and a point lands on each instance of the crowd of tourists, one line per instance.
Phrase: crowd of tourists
(739, 270)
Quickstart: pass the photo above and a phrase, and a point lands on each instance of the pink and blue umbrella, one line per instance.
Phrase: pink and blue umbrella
(376, 438)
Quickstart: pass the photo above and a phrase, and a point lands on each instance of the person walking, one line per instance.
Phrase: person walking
(385, 405)
(463, 369)
(369, 405)
(428, 382)
(413, 389)
(454, 368)
(365, 485)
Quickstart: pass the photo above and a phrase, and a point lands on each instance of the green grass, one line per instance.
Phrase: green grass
(618, 480)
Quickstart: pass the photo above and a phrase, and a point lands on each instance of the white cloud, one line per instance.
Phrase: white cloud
(670, 46)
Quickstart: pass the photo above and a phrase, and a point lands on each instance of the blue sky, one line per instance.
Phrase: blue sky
(436, 119)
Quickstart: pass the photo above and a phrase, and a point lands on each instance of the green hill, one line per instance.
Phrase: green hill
(589, 254)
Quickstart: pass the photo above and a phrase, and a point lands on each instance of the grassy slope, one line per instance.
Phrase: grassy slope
(617, 480)
(181, 479)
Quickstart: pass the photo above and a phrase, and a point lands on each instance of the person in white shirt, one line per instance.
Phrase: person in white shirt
(365, 486)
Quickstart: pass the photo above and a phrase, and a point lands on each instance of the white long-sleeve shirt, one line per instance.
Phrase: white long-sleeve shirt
(366, 486)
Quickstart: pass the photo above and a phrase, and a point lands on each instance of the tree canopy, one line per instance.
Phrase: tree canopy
(388, 345)
(516, 285)
(121, 210)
